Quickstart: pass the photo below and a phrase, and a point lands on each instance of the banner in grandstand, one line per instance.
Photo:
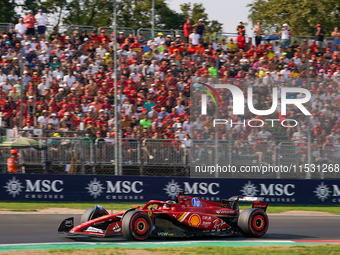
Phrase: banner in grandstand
(21, 187)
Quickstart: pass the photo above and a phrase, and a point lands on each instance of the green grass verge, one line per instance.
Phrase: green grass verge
(202, 250)
(34, 206)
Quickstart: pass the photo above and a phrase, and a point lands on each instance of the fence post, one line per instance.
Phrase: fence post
(140, 161)
(275, 157)
(93, 157)
(82, 170)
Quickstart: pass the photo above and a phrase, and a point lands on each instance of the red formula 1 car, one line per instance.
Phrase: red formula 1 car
(186, 217)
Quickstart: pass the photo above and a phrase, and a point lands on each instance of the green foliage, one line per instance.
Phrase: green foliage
(131, 13)
(89, 13)
(137, 14)
(196, 12)
(33, 5)
(99, 13)
(55, 6)
(302, 16)
(7, 13)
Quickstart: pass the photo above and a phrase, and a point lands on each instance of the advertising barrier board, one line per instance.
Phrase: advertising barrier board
(21, 187)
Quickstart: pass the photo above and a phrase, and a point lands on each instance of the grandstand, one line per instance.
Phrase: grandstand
(65, 87)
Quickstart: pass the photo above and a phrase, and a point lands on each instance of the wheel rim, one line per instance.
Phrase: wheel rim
(258, 223)
(141, 226)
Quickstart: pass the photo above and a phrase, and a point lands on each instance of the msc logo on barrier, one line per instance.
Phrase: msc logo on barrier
(322, 192)
(119, 189)
(249, 189)
(197, 188)
(273, 192)
(35, 189)
(13, 187)
(95, 188)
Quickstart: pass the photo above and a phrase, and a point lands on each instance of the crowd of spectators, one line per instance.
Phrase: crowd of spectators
(68, 79)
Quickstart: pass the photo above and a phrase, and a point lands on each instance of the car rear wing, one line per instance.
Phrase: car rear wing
(246, 199)
(234, 200)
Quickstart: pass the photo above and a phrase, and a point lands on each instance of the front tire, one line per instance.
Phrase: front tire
(92, 213)
(253, 222)
(136, 225)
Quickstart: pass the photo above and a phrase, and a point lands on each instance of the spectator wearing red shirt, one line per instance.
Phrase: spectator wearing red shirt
(102, 37)
(29, 21)
(200, 49)
(313, 46)
(136, 45)
(89, 119)
(106, 105)
(187, 29)
(64, 110)
(241, 40)
(317, 130)
(336, 127)
(190, 49)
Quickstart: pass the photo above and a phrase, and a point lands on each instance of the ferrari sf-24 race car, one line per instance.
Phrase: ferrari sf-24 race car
(186, 217)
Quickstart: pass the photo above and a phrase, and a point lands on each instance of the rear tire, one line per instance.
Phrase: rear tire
(136, 225)
(253, 222)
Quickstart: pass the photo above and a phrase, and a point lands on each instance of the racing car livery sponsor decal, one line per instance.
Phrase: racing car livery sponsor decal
(194, 220)
(196, 202)
(116, 228)
(68, 223)
(219, 224)
(165, 234)
(206, 224)
(225, 212)
(94, 230)
(184, 215)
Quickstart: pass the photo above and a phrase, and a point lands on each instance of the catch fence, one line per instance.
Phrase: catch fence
(77, 155)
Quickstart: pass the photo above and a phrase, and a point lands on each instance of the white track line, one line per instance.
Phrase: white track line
(173, 242)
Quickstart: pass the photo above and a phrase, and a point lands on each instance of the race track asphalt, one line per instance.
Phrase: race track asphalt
(41, 228)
